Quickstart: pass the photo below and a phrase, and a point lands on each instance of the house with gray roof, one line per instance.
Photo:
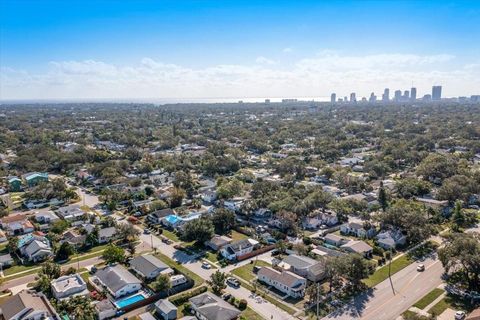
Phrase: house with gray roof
(207, 306)
(117, 280)
(28, 304)
(107, 234)
(166, 310)
(149, 266)
(285, 281)
(313, 270)
(360, 247)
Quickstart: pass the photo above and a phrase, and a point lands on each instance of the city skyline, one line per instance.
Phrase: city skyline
(192, 50)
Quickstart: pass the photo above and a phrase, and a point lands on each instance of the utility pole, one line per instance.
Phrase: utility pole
(318, 301)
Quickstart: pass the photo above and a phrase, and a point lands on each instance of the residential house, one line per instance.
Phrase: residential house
(335, 240)
(107, 234)
(149, 266)
(157, 216)
(105, 309)
(313, 270)
(15, 184)
(34, 178)
(6, 260)
(209, 196)
(35, 247)
(284, 281)
(166, 310)
(16, 224)
(318, 219)
(442, 206)
(28, 305)
(74, 238)
(358, 246)
(238, 248)
(233, 204)
(46, 217)
(390, 239)
(117, 280)
(69, 286)
(357, 230)
(207, 306)
(72, 213)
(218, 242)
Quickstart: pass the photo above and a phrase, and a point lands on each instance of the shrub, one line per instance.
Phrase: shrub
(242, 305)
(182, 298)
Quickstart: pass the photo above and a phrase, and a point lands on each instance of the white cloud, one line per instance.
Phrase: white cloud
(320, 75)
(263, 60)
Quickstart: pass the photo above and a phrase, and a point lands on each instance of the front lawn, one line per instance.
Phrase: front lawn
(246, 272)
(428, 298)
(249, 314)
(451, 302)
(235, 235)
(382, 273)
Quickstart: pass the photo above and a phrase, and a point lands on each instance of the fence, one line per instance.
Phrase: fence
(255, 252)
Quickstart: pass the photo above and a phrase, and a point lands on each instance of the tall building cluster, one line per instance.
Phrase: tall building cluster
(398, 96)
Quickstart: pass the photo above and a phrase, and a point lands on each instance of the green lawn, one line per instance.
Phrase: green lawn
(211, 256)
(235, 235)
(170, 235)
(450, 302)
(428, 298)
(249, 314)
(441, 306)
(246, 272)
(413, 315)
(172, 264)
(382, 273)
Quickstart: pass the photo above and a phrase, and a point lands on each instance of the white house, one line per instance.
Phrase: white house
(285, 281)
(236, 249)
(107, 234)
(16, 224)
(117, 280)
(69, 286)
(35, 247)
(390, 239)
(359, 247)
(356, 229)
(149, 267)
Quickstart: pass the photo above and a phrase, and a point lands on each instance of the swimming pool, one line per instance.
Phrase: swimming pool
(129, 300)
(172, 219)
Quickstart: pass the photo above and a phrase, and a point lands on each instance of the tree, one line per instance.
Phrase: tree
(199, 230)
(59, 226)
(354, 268)
(461, 255)
(51, 270)
(65, 251)
(113, 254)
(127, 232)
(223, 220)
(176, 197)
(314, 292)
(12, 244)
(217, 281)
(458, 218)
(162, 283)
(410, 217)
(78, 308)
(382, 197)
(436, 167)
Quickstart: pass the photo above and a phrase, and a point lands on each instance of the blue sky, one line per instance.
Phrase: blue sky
(185, 49)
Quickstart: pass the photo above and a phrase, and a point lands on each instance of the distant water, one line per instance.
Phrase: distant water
(167, 100)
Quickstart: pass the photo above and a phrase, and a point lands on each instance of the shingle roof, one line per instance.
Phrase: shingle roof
(23, 300)
(357, 246)
(146, 264)
(285, 277)
(299, 262)
(116, 277)
(214, 308)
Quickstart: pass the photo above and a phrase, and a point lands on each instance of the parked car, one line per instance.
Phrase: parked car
(421, 267)
(146, 231)
(460, 315)
(233, 282)
(206, 265)
(226, 296)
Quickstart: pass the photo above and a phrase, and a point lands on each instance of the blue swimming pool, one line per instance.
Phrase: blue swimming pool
(172, 219)
(129, 300)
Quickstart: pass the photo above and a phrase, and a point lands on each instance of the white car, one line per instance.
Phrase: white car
(421, 267)
(206, 265)
(460, 315)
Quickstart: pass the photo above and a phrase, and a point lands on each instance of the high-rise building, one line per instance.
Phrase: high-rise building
(406, 95)
(436, 93)
(397, 96)
(345, 99)
(413, 94)
(427, 98)
(333, 98)
(372, 98)
(386, 95)
(353, 97)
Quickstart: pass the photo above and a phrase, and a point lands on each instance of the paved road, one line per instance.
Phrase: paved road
(31, 277)
(381, 304)
(265, 309)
